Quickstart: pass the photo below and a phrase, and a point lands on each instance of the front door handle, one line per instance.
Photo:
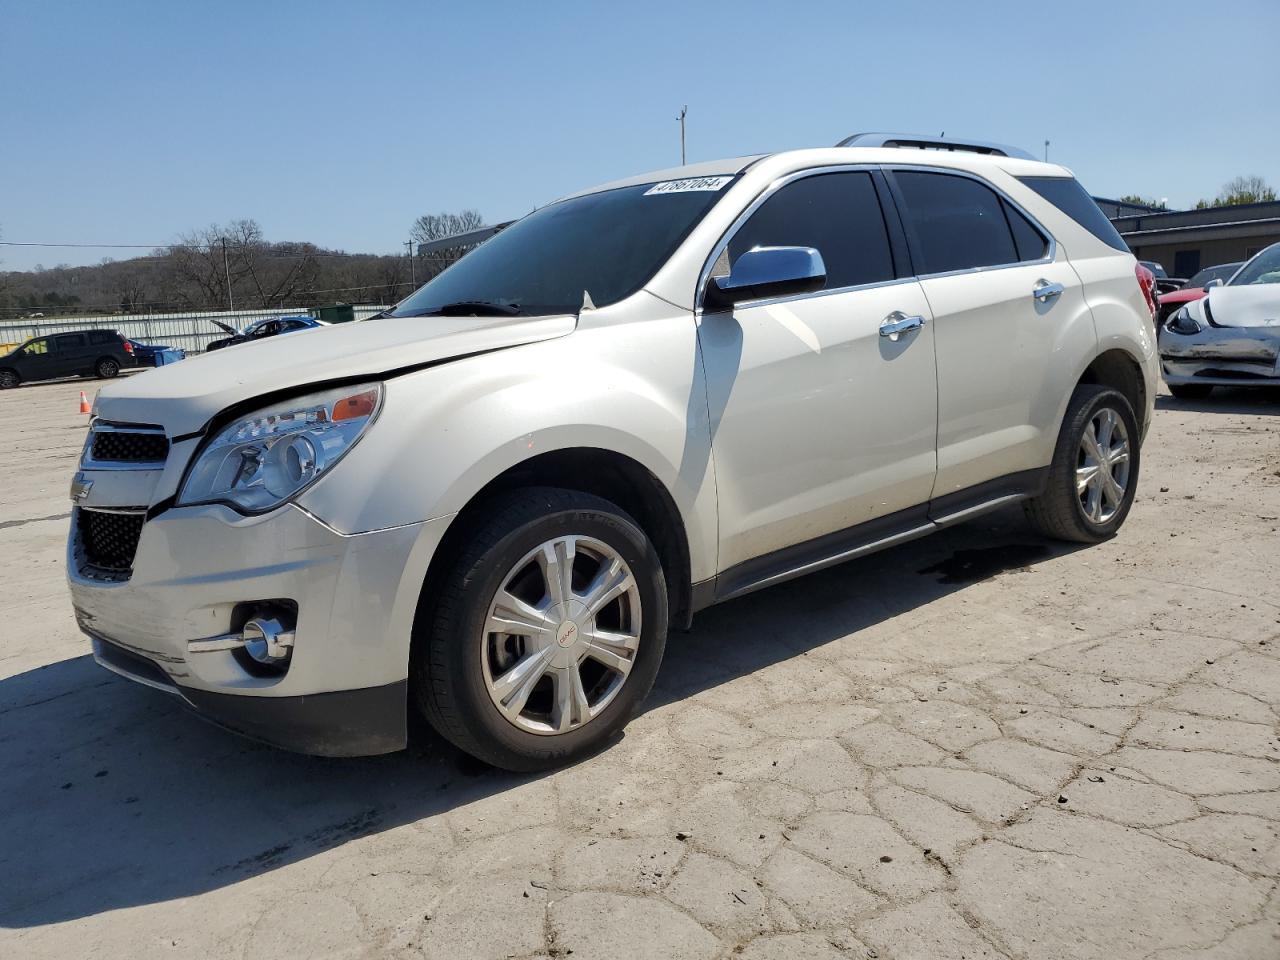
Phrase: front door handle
(1046, 291)
(897, 323)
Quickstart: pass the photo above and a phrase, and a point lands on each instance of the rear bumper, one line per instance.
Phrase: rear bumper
(344, 723)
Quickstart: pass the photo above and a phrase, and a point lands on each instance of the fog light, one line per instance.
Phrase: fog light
(267, 640)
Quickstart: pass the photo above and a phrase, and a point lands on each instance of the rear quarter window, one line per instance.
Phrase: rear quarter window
(1071, 198)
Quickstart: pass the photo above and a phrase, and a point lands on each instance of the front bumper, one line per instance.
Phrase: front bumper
(344, 690)
(344, 723)
(1223, 356)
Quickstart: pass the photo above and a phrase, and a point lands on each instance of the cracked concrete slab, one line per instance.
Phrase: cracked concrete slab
(1072, 756)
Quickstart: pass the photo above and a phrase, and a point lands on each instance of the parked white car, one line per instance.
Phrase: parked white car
(1230, 336)
(635, 402)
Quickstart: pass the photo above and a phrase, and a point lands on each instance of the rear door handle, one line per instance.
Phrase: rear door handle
(897, 323)
(1046, 291)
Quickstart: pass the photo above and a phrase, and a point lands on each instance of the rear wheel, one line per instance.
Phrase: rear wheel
(106, 368)
(1094, 473)
(545, 634)
(8, 380)
(1191, 391)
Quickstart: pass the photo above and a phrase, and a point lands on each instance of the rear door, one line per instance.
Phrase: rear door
(1010, 319)
(819, 422)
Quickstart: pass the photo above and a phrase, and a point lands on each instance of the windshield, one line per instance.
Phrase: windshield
(1220, 272)
(1264, 268)
(605, 245)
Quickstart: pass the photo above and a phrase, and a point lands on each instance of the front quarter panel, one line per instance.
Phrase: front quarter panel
(628, 380)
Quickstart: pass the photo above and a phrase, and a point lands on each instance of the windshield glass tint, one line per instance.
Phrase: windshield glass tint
(1222, 272)
(606, 244)
(1264, 268)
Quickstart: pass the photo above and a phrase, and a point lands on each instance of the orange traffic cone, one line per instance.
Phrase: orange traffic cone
(84, 403)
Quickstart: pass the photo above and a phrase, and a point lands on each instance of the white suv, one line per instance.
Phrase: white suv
(640, 400)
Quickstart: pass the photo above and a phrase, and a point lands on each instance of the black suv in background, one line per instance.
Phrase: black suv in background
(98, 353)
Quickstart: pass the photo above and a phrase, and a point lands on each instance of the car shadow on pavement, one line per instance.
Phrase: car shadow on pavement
(112, 795)
(1259, 401)
(745, 635)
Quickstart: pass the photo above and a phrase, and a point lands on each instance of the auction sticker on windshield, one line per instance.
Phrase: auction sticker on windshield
(686, 186)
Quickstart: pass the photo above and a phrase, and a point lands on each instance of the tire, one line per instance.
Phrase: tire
(9, 379)
(457, 660)
(1062, 511)
(106, 368)
(1191, 391)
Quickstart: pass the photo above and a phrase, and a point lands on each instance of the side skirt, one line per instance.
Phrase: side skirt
(870, 537)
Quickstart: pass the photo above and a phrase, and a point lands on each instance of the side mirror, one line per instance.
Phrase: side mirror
(768, 272)
(1215, 282)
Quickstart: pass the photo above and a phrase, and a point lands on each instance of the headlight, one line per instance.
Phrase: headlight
(1182, 322)
(260, 461)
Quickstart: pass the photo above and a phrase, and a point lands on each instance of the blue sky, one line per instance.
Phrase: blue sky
(338, 123)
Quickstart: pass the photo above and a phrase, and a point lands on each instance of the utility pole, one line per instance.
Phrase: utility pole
(413, 271)
(1046, 151)
(683, 110)
(231, 304)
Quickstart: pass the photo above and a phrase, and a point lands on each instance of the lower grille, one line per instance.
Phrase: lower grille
(109, 540)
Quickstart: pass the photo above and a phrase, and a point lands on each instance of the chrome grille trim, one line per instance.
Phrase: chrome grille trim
(118, 446)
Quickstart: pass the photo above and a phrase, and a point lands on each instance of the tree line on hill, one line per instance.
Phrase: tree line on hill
(232, 265)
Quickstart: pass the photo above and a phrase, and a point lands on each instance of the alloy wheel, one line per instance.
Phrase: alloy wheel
(561, 635)
(1102, 467)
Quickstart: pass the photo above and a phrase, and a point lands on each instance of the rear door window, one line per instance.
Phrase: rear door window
(838, 214)
(954, 222)
(70, 342)
(1067, 195)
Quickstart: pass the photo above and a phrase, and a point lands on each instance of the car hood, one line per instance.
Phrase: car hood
(1254, 305)
(183, 397)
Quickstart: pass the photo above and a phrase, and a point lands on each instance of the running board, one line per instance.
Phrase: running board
(870, 537)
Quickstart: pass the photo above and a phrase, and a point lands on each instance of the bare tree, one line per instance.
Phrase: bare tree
(131, 283)
(1240, 190)
(439, 226)
(260, 274)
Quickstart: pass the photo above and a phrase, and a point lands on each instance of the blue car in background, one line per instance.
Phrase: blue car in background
(270, 327)
(150, 355)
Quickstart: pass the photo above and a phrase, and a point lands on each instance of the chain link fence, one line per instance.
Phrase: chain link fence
(191, 331)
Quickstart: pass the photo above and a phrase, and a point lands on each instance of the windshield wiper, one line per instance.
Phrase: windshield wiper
(469, 308)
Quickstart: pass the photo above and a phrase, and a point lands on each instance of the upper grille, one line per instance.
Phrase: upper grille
(109, 540)
(122, 446)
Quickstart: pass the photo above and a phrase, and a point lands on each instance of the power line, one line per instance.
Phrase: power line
(180, 308)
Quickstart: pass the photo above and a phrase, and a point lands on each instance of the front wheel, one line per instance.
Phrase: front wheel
(1191, 391)
(8, 380)
(1094, 473)
(106, 368)
(545, 634)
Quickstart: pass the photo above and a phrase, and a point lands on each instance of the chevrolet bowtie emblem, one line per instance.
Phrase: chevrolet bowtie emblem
(80, 487)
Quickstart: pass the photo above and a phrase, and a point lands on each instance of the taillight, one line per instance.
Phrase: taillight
(128, 347)
(1147, 283)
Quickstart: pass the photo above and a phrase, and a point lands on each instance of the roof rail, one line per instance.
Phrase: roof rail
(917, 142)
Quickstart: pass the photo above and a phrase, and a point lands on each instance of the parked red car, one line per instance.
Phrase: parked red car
(1195, 288)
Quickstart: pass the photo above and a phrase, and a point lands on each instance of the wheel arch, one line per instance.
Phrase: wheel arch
(1120, 370)
(605, 473)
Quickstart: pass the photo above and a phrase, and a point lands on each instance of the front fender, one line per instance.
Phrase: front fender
(444, 433)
